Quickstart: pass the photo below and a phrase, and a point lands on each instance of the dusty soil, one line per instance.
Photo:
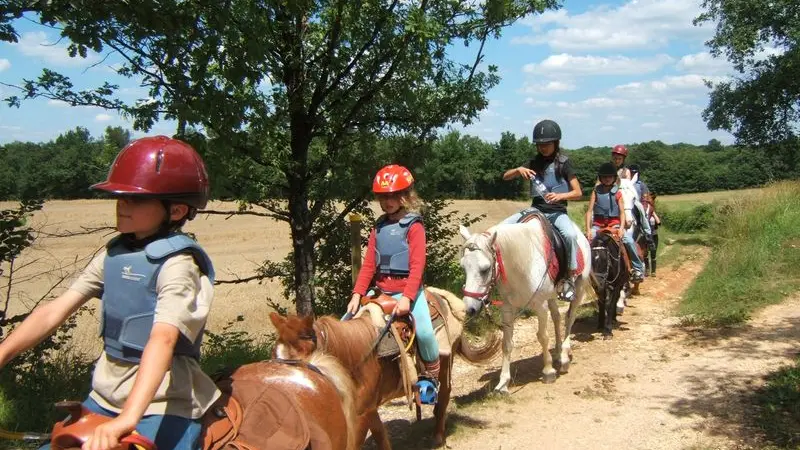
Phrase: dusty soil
(656, 385)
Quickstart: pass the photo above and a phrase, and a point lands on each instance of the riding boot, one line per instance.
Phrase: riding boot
(568, 289)
(653, 267)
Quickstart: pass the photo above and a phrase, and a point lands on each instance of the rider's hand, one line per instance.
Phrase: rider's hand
(552, 197)
(589, 235)
(526, 173)
(355, 300)
(621, 232)
(107, 435)
(403, 306)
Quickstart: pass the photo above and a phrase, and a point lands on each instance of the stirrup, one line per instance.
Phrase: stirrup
(636, 276)
(567, 292)
(428, 389)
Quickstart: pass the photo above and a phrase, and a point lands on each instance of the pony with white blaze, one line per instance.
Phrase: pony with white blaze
(516, 258)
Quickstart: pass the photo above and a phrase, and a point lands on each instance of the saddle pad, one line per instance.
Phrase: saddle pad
(552, 269)
(271, 417)
(388, 348)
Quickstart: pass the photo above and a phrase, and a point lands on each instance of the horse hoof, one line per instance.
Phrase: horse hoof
(564, 367)
(620, 310)
(607, 337)
(438, 442)
(549, 378)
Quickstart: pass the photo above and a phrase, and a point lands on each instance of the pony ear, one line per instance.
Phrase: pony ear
(277, 319)
(492, 237)
(464, 232)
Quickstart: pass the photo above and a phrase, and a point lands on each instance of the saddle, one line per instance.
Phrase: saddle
(250, 415)
(559, 262)
(404, 326)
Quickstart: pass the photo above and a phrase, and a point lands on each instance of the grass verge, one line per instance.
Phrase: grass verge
(755, 258)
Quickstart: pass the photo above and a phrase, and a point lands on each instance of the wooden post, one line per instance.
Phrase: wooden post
(355, 245)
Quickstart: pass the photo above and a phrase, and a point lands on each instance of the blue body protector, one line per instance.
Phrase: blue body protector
(391, 245)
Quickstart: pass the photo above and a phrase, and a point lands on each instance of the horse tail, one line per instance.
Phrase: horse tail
(472, 352)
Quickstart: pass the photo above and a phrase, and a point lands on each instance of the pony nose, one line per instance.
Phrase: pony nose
(472, 310)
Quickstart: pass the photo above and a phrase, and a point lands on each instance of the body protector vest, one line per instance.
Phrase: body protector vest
(554, 182)
(605, 203)
(129, 294)
(391, 245)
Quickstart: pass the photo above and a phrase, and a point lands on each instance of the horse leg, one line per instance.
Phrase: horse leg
(555, 314)
(601, 308)
(548, 373)
(622, 302)
(508, 345)
(372, 420)
(440, 410)
(611, 294)
(581, 283)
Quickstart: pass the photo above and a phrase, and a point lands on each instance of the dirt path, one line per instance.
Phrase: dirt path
(654, 386)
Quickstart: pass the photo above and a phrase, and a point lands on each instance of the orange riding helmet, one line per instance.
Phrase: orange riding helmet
(159, 167)
(392, 178)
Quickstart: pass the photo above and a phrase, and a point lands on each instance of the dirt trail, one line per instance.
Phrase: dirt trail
(654, 386)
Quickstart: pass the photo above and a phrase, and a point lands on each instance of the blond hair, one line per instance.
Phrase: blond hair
(410, 200)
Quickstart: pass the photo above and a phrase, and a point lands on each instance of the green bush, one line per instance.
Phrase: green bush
(699, 218)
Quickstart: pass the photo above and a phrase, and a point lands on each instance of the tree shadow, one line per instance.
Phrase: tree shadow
(740, 408)
(413, 435)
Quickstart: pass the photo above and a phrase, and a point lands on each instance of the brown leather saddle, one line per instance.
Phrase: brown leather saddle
(405, 324)
(250, 415)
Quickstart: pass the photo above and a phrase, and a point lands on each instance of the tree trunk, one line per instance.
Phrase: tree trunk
(303, 248)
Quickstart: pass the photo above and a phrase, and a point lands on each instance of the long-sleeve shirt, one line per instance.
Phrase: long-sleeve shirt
(410, 285)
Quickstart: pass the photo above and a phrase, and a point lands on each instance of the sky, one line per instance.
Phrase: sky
(608, 73)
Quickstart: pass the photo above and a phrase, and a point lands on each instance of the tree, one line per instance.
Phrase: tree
(761, 104)
(293, 90)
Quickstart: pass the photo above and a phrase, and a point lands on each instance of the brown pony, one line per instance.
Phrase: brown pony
(275, 404)
(379, 379)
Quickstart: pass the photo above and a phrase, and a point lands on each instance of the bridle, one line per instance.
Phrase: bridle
(498, 273)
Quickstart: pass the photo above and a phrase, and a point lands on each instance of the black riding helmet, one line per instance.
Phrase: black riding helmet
(607, 170)
(546, 131)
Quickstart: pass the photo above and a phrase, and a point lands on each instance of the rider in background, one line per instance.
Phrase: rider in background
(606, 210)
(618, 155)
(553, 183)
(649, 201)
(156, 289)
(641, 186)
(395, 259)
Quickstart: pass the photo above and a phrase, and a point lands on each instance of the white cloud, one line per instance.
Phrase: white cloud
(704, 62)
(615, 117)
(36, 44)
(57, 103)
(551, 86)
(103, 117)
(4, 64)
(689, 82)
(607, 128)
(651, 125)
(565, 63)
(635, 24)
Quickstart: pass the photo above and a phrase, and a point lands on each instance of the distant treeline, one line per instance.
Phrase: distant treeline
(453, 166)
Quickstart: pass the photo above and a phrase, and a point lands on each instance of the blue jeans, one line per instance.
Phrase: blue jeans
(166, 431)
(630, 246)
(564, 225)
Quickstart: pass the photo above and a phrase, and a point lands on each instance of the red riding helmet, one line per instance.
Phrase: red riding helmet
(620, 150)
(159, 167)
(392, 178)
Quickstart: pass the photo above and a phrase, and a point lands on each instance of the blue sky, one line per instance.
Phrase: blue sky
(615, 72)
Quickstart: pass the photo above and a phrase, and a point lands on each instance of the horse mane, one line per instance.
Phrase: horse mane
(345, 386)
(516, 241)
(349, 341)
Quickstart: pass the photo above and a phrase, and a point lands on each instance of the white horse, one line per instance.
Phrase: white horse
(513, 258)
(630, 197)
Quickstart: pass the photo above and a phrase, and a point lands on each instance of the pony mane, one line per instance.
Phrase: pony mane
(349, 341)
(345, 386)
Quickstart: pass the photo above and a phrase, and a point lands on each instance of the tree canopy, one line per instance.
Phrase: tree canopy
(762, 103)
(297, 91)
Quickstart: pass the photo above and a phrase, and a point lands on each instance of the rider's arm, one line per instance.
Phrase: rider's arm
(575, 192)
(657, 219)
(156, 360)
(510, 174)
(45, 319)
(367, 272)
(416, 260)
(42, 322)
(590, 212)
